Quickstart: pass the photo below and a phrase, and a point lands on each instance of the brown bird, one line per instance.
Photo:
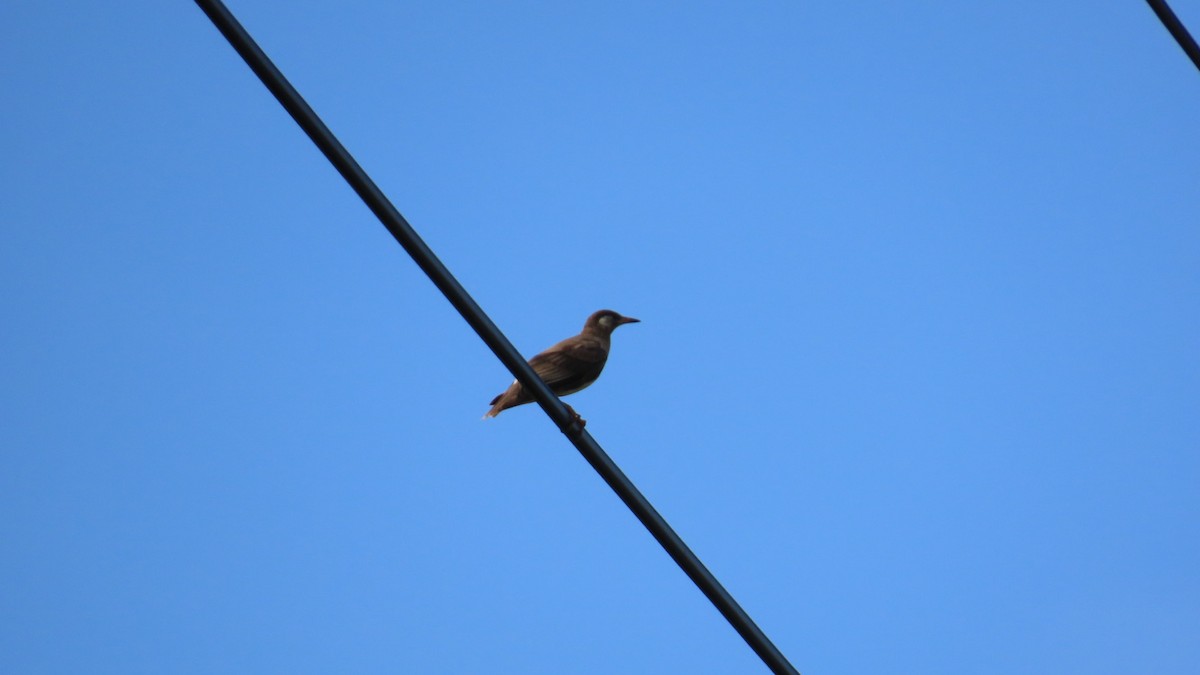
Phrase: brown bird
(569, 365)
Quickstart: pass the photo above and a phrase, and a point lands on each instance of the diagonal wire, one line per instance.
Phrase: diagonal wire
(499, 344)
(1177, 29)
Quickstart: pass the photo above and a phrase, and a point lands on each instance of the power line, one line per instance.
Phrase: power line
(1177, 29)
(491, 335)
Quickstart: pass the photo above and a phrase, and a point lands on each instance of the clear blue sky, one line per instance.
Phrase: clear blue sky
(918, 375)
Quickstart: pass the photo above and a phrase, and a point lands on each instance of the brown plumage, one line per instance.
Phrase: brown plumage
(569, 365)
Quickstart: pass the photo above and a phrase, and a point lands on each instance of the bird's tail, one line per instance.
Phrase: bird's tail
(497, 404)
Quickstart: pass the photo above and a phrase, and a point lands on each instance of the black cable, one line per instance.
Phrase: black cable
(499, 344)
(1177, 29)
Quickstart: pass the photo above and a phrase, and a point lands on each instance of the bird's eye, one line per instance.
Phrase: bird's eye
(606, 320)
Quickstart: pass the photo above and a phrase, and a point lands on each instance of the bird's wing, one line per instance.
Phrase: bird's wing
(571, 364)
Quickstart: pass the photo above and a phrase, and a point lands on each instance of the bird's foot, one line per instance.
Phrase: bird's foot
(575, 418)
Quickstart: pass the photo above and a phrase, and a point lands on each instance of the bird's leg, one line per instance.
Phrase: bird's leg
(574, 415)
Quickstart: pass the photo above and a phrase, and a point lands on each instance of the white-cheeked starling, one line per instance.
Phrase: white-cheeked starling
(569, 365)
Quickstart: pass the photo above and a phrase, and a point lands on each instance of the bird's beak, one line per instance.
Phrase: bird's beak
(627, 319)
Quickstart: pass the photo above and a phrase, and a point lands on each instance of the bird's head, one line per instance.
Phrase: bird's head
(606, 321)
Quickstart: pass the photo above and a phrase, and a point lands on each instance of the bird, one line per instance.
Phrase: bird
(570, 365)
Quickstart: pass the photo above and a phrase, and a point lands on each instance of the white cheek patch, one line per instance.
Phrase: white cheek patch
(606, 321)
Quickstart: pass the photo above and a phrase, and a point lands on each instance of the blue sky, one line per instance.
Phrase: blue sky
(917, 375)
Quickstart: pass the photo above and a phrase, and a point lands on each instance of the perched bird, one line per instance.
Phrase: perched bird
(569, 365)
